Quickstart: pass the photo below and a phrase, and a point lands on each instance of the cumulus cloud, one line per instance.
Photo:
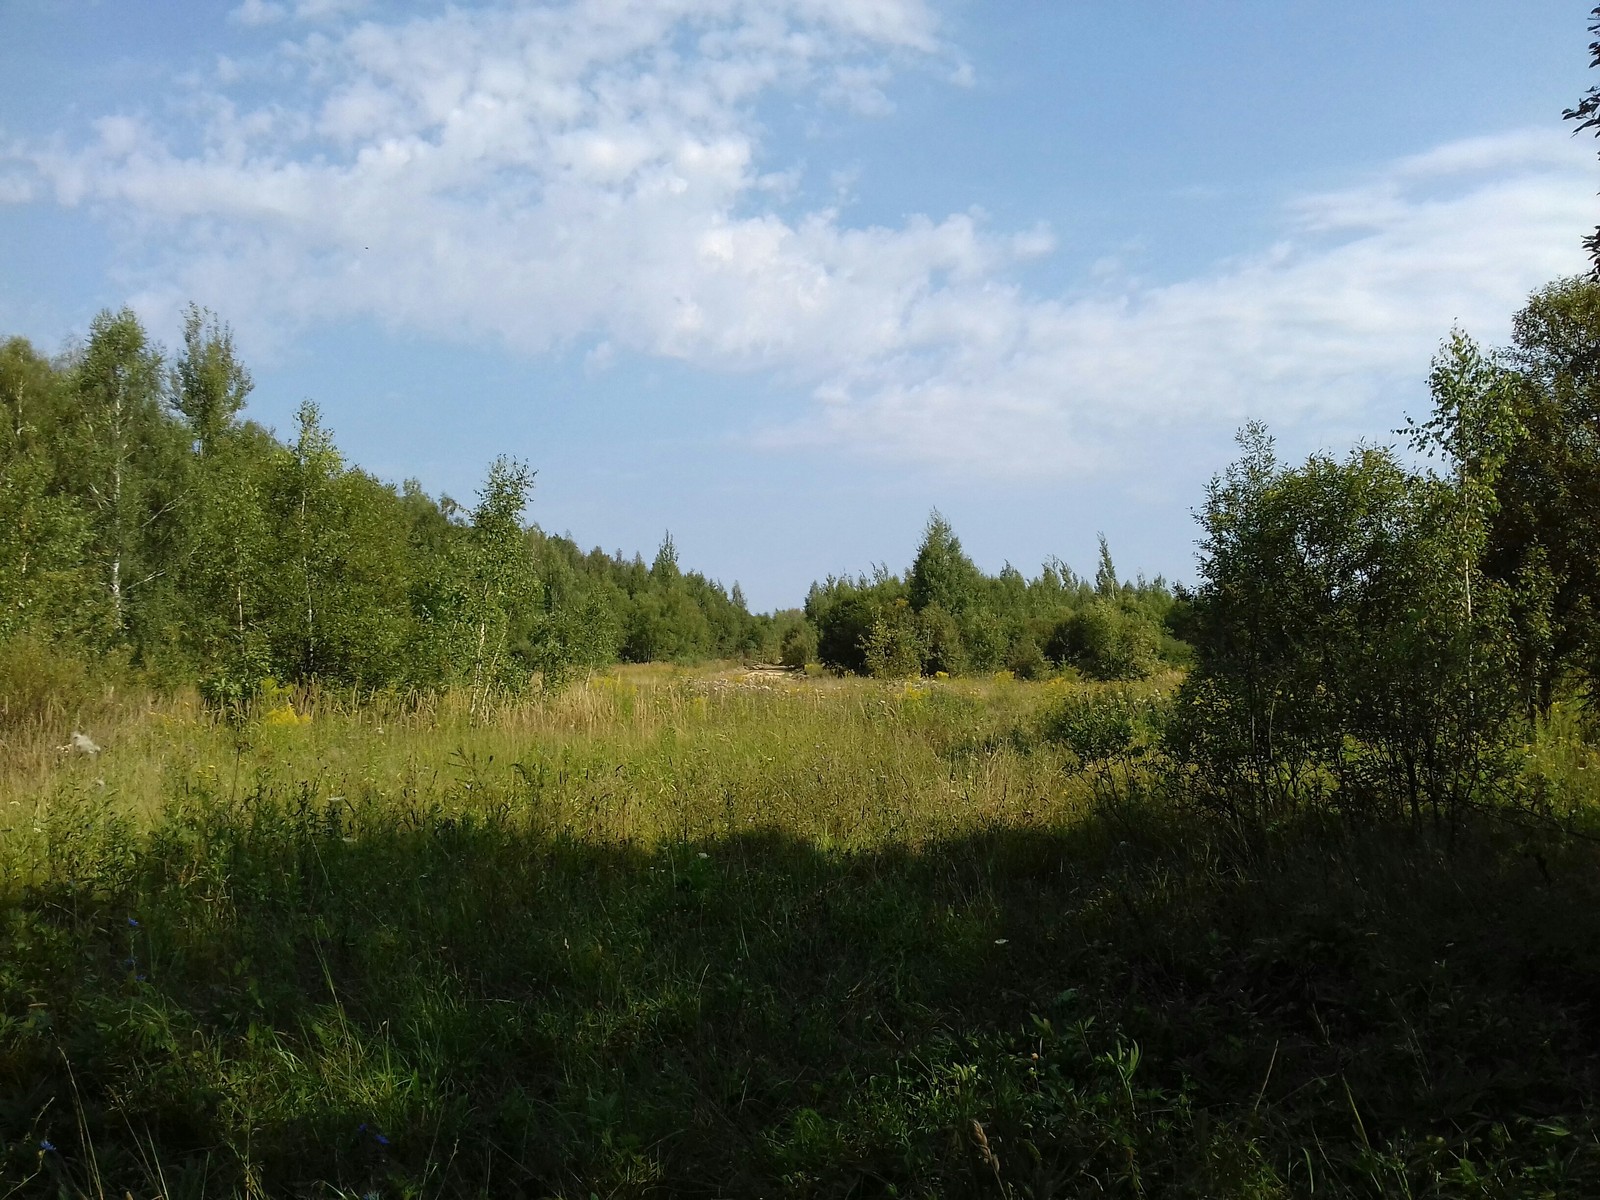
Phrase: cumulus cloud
(596, 171)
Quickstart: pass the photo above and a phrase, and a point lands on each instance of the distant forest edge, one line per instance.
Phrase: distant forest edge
(145, 521)
(143, 515)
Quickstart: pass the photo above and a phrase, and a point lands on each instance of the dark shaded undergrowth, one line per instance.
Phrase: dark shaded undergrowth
(298, 996)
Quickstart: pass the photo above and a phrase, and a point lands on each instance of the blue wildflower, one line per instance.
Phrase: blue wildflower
(47, 1146)
(133, 922)
(380, 1139)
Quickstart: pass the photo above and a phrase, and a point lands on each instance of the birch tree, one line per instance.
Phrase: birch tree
(118, 382)
(497, 580)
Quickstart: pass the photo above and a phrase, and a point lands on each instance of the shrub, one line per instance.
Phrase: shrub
(941, 642)
(1348, 649)
(844, 623)
(232, 687)
(1027, 661)
(799, 647)
(894, 648)
(1096, 728)
(1106, 642)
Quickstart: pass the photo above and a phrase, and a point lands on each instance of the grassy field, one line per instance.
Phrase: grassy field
(728, 933)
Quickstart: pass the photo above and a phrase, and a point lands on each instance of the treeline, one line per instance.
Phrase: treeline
(944, 615)
(143, 517)
(1374, 636)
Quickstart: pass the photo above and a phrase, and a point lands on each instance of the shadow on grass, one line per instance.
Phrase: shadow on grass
(296, 998)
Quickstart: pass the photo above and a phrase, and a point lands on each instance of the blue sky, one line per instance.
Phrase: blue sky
(783, 275)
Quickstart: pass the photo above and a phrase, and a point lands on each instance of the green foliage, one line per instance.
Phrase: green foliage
(645, 614)
(139, 510)
(46, 587)
(799, 646)
(496, 582)
(1025, 659)
(941, 573)
(982, 641)
(1544, 524)
(1105, 575)
(940, 640)
(954, 619)
(894, 646)
(1098, 727)
(208, 384)
(226, 568)
(114, 451)
(1348, 649)
(1106, 641)
(233, 685)
(845, 613)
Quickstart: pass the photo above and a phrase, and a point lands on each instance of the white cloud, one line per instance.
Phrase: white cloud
(270, 12)
(258, 12)
(326, 10)
(596, 171)
(16, 189)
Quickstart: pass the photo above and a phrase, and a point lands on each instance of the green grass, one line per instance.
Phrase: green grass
(708, 934)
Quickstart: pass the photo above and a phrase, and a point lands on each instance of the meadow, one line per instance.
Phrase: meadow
(721, 932)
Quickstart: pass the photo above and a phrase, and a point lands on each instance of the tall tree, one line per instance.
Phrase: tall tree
(1348, 649)
(225, 538)
(45, 588)
(1544, 535)
(497, 581)
(1105, 575)
(305, 507)
(942, 573)
(208, 384)
(119, 429)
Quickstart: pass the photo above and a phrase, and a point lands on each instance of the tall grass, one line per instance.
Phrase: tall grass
(679, 932)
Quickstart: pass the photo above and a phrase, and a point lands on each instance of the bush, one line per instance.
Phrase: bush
(1027, 661)
(941, 642)
(844, 623)
(1349, 652)
(1106, 642)
(234, 685)
(799, 647)
(894, 648)
(1096, 728)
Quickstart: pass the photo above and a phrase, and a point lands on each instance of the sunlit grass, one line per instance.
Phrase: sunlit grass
(639, 754)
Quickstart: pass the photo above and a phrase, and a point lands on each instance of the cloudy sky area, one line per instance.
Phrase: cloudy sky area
(782, 275)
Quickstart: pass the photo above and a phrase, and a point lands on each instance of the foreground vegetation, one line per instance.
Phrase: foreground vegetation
(751, 933)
